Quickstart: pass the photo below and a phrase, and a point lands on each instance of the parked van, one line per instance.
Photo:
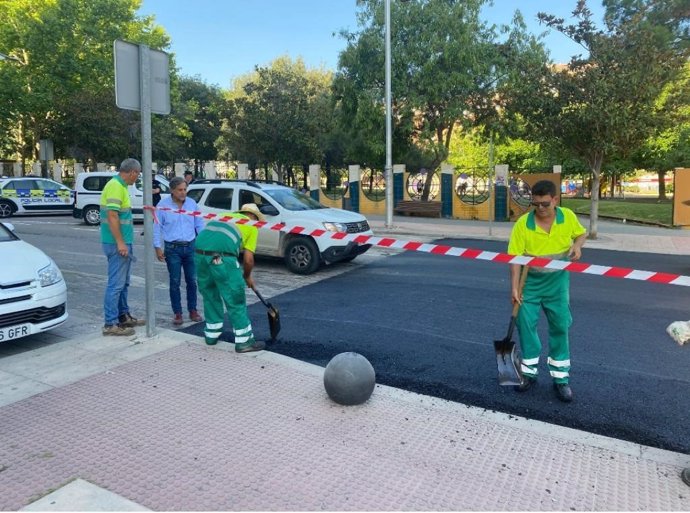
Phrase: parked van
(87, 195)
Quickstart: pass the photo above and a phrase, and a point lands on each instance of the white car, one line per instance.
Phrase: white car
(34, 195)
(33, 294)
(303, 254)
(87, 195)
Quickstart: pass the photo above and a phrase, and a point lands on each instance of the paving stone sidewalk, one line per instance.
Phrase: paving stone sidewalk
(191, 427)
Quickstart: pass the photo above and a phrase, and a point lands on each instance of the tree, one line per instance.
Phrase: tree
(64, 50)
(602, 106)
(201, 110)
(280, 116)
(669, 146)
(446, 68)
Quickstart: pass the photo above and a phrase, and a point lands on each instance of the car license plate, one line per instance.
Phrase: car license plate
(13, 332)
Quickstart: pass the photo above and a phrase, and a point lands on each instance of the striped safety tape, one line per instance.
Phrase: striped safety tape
(439, 249)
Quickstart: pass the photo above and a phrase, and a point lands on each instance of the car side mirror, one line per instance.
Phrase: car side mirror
(9, 226)
(268, 210)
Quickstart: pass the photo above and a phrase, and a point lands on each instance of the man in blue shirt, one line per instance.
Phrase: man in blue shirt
(173, 240)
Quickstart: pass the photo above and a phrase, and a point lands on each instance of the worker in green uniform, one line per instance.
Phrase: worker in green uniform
(221, 282)
(552, 232)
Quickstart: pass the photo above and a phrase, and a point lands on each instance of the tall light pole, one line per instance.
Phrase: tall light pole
(388, 170)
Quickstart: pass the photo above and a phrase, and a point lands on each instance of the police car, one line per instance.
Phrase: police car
(34, 195)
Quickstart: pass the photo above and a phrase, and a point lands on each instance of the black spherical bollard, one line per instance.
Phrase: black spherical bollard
(349, 378)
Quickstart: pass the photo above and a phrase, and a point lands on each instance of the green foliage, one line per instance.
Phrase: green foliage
(281, 115)
(602, 106)
(447, 66)
(64, 79)
(201, 110)
(669, 146)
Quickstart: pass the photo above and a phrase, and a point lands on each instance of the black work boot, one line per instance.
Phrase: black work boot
(257, 345)
(563, 391)
(526, 384)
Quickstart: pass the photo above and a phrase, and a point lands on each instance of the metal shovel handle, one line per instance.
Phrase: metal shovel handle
(516, 306)
(261, 298)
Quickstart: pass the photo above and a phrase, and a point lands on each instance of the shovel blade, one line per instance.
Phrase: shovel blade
(506, 359)
(274, 321)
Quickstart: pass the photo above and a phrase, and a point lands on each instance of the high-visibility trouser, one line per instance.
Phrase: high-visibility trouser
(548, 291)
(223, 284)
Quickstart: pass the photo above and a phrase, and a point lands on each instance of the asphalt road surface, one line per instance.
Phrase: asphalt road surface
(427, 324)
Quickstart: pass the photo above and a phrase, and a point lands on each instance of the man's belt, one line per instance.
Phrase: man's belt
(183, 243)
(213, 253)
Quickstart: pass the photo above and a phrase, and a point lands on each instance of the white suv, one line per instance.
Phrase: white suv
(303, 254)
(33, 195)
(87, 195)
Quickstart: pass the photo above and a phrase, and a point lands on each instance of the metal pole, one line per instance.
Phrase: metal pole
(145, 102)
(492, 185)
(389, 129)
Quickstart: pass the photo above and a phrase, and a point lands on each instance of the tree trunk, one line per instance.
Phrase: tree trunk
(662, 184)
(429, 178)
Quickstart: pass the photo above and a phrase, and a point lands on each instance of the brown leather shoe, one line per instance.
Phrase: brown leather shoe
(194, 316)
(177, 320)
(115, 330)
(127, 321)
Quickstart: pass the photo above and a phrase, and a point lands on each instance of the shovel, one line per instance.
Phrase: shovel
(506, 357)
(273, 315)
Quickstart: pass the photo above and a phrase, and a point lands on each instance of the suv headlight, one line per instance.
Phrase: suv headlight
(49, 275)
(335, 227)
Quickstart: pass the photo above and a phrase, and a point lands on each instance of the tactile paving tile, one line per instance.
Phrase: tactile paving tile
(199, 428)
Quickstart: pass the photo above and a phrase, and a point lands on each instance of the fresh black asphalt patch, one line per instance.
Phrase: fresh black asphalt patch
(427, 324)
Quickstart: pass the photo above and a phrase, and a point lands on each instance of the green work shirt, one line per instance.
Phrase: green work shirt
(527, 238)
(115, 196)
(228, 237)
(250, 234)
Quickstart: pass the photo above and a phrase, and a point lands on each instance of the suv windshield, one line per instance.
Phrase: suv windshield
(293, 200)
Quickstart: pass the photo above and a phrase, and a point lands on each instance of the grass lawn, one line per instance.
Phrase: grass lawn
(645, 210)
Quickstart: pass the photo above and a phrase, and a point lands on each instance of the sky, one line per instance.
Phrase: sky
(219, 40)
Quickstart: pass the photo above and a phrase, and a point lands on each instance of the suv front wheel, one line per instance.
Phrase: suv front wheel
(302, 255)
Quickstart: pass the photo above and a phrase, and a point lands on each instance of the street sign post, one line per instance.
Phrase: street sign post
(142, 82)
(127, 78)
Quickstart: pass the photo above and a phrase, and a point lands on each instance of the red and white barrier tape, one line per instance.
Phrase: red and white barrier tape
(438, 249)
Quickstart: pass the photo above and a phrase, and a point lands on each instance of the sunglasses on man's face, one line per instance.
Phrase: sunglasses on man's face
(543, 204)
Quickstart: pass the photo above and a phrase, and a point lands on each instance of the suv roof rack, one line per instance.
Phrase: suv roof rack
(251, 183)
